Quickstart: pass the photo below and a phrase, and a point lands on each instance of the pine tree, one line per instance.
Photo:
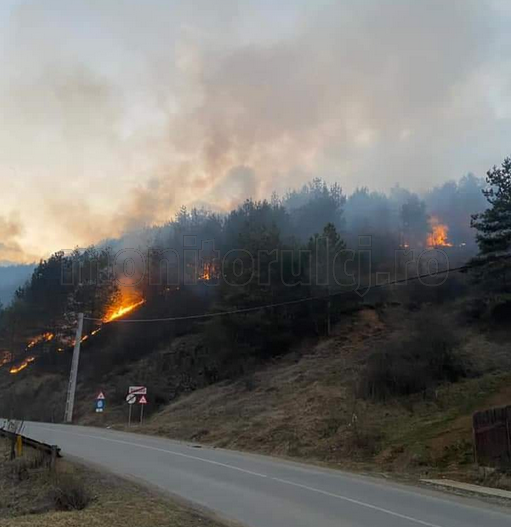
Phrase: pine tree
(324, 263)
(494, 225)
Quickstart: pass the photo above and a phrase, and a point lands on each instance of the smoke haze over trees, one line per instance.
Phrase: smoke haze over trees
(308, 257)
(388, 218)
(282, 198)
(275, 250)
(163, 103)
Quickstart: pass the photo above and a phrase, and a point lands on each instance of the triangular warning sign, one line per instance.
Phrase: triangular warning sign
(142, 400)
(101, 396)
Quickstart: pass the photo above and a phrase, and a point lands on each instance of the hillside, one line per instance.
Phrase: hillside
(308, 404)
(339, 354)
(326, 400)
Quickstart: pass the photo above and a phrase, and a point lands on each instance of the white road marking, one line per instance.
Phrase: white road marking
(172, 452)
(232, 467)
(357, 502)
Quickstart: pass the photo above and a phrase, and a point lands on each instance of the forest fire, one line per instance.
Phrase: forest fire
(119, 311)
(16, 369)
(209, 271)
(439, 235)
(8, 357)
(116, 312)
(45, 337)
(84, 338)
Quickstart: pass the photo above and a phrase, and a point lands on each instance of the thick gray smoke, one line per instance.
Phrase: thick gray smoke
(11, 231)
(114, 114)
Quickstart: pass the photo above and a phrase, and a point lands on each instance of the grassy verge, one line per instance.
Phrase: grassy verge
(30, 496)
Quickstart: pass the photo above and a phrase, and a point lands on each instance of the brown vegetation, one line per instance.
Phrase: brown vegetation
(307, 405)
(77, 496)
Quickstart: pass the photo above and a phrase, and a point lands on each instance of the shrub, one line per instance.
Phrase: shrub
(412, 365)
(69, 493)
(501, 310)
(426, 292)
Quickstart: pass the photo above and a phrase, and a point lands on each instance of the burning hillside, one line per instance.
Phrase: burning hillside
(7, 357)
(22, 366)
(122, 309)
(127, 304)
(45, 337)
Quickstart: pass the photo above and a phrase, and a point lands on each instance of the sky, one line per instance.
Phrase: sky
(114, 114)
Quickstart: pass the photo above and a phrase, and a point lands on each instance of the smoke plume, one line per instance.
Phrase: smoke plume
(114, 115)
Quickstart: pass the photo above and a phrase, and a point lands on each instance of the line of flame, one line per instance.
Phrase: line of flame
(47, 337)
(121, 311)
(22, 366)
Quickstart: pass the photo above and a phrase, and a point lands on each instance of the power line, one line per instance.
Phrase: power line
(287, 302)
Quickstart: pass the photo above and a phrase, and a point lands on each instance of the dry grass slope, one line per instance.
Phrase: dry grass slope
(305, 405)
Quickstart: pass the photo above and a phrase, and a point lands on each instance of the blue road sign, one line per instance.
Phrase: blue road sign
(100, 405)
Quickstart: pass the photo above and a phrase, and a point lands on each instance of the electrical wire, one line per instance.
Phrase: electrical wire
(287, 302)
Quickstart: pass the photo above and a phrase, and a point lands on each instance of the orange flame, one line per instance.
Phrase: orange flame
(120, 311)
(45, 337)
(115, 313)
(16, 369)
(439, 234)
(84, 338)
(209, 271)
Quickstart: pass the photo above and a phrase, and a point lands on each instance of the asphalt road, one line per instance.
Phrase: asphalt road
(260, 491)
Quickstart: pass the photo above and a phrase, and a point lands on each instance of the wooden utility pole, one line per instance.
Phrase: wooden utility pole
(71, 391)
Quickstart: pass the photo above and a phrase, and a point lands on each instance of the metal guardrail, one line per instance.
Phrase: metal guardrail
(50, 450)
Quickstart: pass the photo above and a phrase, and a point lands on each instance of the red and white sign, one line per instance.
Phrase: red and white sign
(142, 400)
(100, 397)
(138, 390)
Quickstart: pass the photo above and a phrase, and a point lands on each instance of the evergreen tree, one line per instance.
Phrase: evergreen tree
(324, 249)
(325, 263)
(494, 225)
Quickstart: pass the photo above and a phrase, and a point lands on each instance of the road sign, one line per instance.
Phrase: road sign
(101, 396)
(100, 406)
(131, 398)
(142, 402)
(138, 390)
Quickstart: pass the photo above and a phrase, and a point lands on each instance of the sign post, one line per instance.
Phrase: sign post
(137, 390)
(19, 446)
(142, 402)
(131, 399)
(100, 403)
